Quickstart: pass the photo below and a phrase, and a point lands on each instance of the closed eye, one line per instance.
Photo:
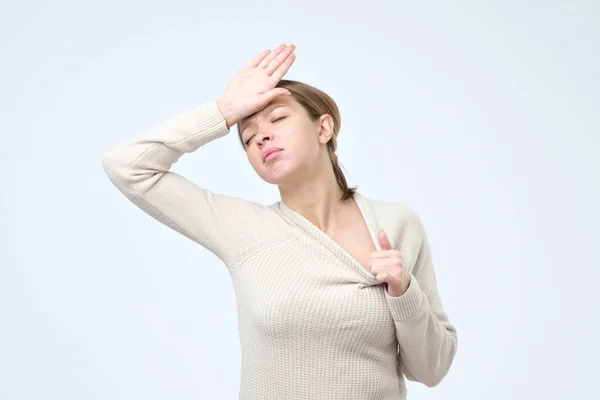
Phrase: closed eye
(247, 142)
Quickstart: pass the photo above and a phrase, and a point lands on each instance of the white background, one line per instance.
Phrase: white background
(481, 116)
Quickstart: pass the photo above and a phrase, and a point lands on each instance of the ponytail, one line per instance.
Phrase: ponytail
(348, 192)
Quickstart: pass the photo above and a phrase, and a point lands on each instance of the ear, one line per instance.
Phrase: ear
(325, 128)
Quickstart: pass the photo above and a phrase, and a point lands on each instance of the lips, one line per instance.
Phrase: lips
(268, 152)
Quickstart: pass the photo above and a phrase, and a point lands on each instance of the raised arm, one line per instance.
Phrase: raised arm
(426, 338)
(140, 167)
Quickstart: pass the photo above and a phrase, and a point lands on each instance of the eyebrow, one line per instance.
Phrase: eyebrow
(264, 110)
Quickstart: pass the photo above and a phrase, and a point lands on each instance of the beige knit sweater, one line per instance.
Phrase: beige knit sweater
(314, 324)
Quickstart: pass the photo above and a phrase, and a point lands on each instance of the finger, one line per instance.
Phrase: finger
(284, 68)
(265, 61)
(382, 262)
(384, 241)
(395, 254)
(279, 59)
(256, 60)
(269, 96)
(381, 276)
(387, 277)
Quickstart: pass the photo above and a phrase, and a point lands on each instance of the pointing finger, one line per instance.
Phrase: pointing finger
(282, 57)
(265, 61)
(384, 241)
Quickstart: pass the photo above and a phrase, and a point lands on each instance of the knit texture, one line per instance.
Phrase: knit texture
(314, 324)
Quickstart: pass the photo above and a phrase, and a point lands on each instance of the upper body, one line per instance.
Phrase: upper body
(320, 316)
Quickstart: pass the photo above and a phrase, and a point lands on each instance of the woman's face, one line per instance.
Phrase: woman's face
(282, 141)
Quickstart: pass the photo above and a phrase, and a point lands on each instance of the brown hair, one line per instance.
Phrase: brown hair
(318, 103)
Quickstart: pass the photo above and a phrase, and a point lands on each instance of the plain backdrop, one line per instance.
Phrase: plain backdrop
(481, 116)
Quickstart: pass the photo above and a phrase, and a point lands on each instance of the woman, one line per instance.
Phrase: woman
(336, 291)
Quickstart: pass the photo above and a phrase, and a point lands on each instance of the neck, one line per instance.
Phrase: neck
(318, 199)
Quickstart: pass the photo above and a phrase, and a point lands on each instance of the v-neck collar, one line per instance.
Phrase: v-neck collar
(313, 231)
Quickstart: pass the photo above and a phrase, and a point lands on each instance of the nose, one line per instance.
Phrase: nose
(264, 137)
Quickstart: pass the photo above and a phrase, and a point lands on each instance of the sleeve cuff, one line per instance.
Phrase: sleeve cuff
(408, 304)
(209, 122)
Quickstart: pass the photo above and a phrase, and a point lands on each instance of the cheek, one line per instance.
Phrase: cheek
(302, 144)
(306, 149)
(255, 158)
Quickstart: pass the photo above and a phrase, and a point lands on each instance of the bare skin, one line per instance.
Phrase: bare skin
(272, 122)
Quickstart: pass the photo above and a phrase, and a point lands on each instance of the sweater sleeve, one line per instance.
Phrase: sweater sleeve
(139, 168)
(427, 341)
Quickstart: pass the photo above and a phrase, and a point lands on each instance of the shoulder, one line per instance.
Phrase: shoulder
(397, 217)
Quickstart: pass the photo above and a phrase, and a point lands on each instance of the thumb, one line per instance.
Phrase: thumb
(269, 96)
(384, 241)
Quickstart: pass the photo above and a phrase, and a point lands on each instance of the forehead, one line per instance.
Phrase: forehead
(284, 100)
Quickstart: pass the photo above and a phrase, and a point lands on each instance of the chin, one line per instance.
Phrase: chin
(276, 173)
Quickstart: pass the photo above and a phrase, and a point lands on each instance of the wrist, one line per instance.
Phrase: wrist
(226, 113)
